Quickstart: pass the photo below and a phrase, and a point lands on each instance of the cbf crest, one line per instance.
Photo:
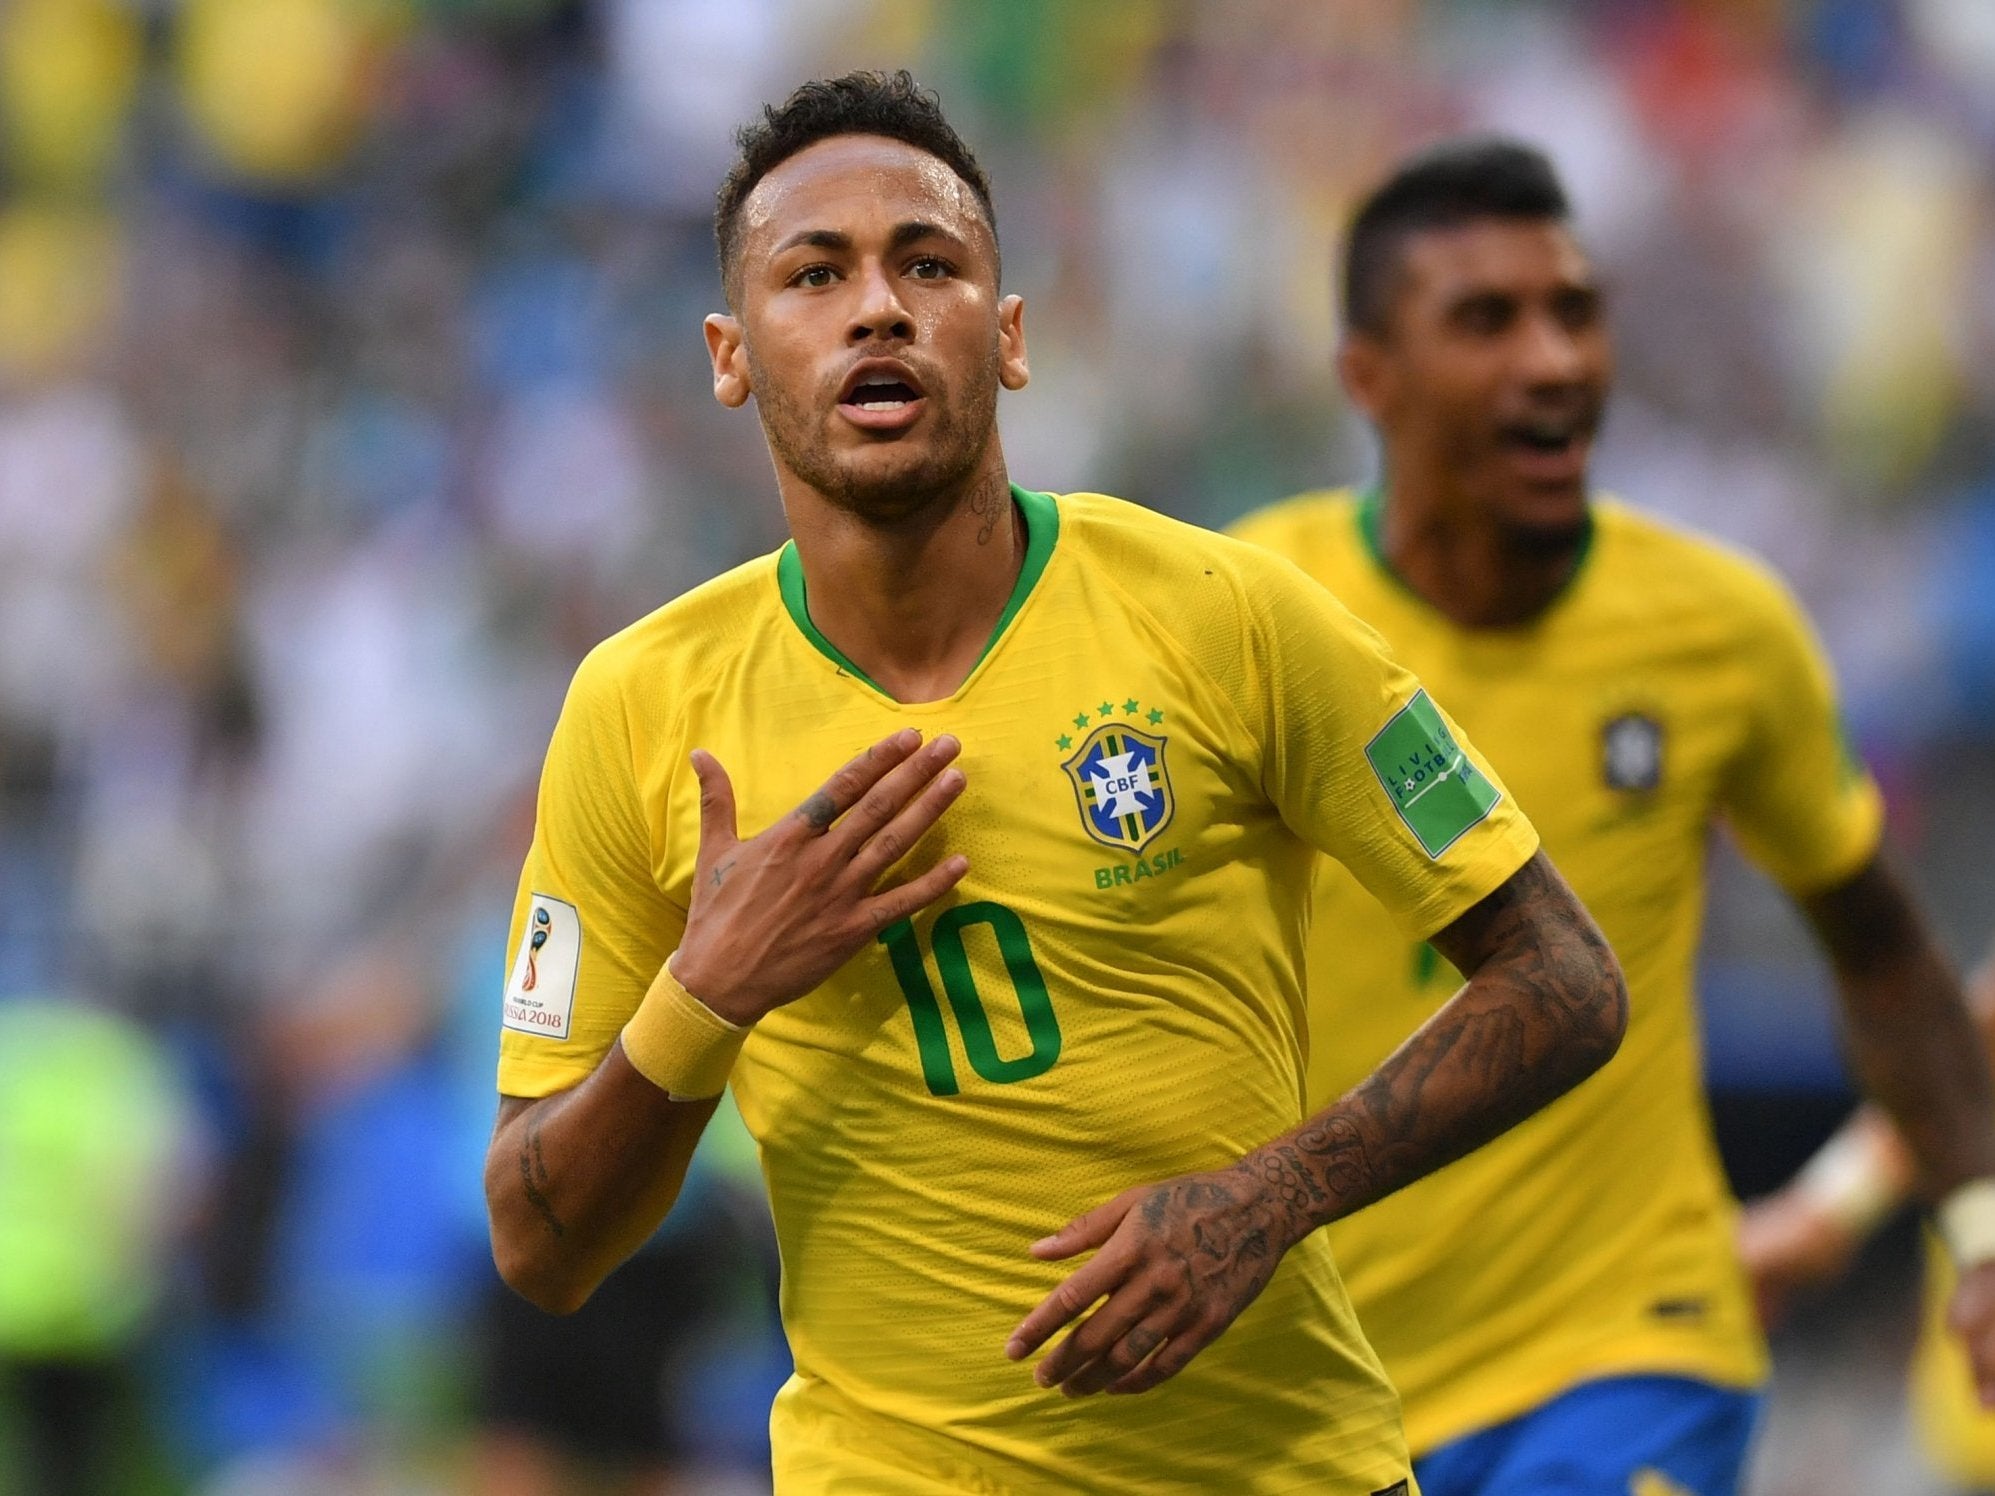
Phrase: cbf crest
(1631, 752)
(1123, 785)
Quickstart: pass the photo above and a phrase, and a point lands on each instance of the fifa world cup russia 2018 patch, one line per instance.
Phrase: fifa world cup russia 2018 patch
(1122, 785)
(1438, 793)
(540, 992)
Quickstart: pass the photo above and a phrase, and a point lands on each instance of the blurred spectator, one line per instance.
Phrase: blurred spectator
(97, 1176)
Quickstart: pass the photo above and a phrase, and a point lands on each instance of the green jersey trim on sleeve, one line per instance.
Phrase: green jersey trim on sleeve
(1042, 530)
(1438, 793)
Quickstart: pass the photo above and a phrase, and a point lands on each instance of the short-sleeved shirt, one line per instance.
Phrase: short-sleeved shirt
(1165, 730)
(1673, 685)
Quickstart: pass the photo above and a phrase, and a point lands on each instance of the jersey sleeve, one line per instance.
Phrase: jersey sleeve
(590, 924)
(1362, 763)
(1799, 800)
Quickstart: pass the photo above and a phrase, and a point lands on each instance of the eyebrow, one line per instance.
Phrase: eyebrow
(903, 235)
(1481, 290)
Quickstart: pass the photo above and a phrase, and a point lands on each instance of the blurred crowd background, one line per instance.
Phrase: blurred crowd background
(351, 386)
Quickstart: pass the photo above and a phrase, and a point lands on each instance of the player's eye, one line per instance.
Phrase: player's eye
(814, 276)
(1577, 309)
(928, 267)
(1484, 315)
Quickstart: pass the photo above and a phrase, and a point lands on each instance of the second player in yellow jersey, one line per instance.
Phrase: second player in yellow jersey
(1566, 1309)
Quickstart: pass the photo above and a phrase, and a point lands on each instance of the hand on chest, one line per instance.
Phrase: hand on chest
(1074, 790)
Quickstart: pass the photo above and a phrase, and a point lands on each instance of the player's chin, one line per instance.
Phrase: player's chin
(888, 481)
(1546, 516)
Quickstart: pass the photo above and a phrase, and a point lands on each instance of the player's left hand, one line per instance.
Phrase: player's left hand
(1178, 1263)
(1972, 1318)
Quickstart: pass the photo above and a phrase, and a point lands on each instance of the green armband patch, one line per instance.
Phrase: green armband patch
(1432, 784)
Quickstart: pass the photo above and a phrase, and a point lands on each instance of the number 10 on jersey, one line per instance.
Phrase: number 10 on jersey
(973, 1023)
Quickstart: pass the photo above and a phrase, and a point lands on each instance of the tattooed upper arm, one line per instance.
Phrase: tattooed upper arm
(1549, 946)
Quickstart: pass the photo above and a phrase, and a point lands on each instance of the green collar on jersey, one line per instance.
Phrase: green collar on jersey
(1042, 529)
(1371, 528)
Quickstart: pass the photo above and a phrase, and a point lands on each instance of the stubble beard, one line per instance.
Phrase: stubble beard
(958, 438)
(1546, 542)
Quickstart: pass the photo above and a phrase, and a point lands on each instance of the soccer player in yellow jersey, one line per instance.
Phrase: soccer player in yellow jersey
(1037, 944)
(1564, 1311)
(1809, 1231)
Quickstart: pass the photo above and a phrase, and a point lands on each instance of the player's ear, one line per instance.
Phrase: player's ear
(730, 360)
(1366, 373)
(1012, 370)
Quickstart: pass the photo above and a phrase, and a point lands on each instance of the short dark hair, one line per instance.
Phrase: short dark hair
(1453, 184)
(859, 103)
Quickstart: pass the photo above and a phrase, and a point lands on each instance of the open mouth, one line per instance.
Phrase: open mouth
(881, 395)
(1549, 438)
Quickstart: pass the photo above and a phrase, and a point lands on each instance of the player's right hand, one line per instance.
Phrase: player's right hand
(773, 916)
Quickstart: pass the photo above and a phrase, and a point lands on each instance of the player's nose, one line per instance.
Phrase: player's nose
(879, 311)
(1553, 355)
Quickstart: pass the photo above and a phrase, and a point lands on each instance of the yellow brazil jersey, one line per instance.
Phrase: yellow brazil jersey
(1672, 684)
(1163, 726)
(1957, 1432)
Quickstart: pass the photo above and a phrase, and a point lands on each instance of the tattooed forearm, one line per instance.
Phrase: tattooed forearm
(1179, 1261)
(1911, 1039)
(1544, 1008)
(534, 1177)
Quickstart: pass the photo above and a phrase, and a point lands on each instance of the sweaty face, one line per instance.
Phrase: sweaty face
(871, 331)
(1495, 368)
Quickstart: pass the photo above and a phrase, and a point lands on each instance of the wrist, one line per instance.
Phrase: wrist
(711, 991)
(1966, 1222)
(1855, 1181)
(678, 1043)
(1275, 1177)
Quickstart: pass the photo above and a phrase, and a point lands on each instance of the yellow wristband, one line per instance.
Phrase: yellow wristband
(1966, 1219)
(678, 1043)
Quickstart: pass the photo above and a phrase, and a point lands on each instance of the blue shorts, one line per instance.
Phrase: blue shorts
(1621, 1436)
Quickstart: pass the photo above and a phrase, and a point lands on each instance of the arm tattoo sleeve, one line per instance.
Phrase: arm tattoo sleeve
(1544, 1008)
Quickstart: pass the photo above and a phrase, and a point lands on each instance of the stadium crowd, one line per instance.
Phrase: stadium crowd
(351, 387)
